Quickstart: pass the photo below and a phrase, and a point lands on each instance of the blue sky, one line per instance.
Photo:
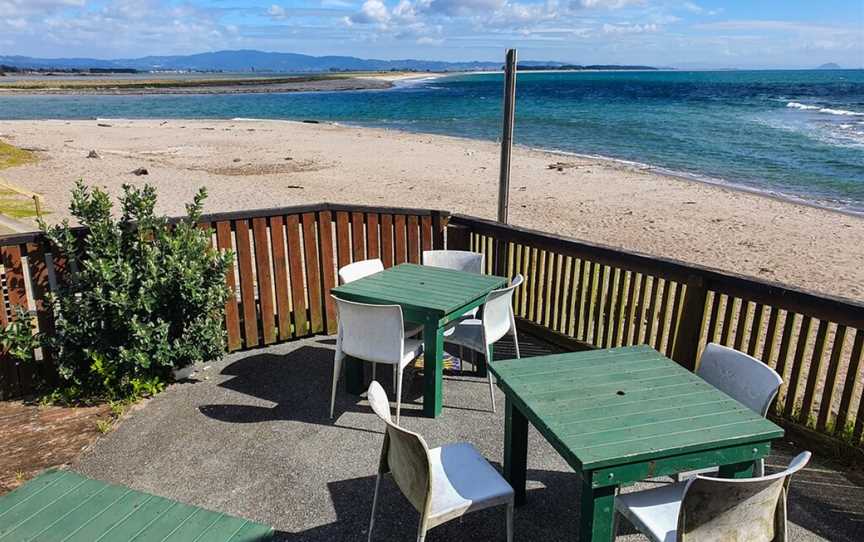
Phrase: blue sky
(681, 33)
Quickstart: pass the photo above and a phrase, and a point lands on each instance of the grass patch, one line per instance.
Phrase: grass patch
(11, 156)
(15, 205)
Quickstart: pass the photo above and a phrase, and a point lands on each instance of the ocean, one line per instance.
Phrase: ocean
(796, 134)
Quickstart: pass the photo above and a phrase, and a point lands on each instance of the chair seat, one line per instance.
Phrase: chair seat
(654, 512)
(413, 348)
(467, 333)
(463, 481)
(412, 329)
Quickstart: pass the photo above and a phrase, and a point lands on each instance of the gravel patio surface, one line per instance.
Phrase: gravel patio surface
(252, 437)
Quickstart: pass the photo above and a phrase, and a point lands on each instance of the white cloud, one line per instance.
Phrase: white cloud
(372, 11)
(627, 28)
(607, 4)
(277, 12)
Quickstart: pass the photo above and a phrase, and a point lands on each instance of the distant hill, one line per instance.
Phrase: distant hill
(829, 66)
(255, 61)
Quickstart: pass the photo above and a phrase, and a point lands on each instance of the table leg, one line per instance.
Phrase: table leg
(737, 470)
(597, 518)
(354, 381)
(433, 369)
(482, 362)
(515, 449)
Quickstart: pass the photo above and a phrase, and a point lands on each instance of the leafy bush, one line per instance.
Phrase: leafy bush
(19, 338)
(147, 297)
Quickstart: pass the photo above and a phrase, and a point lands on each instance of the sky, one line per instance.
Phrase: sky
(678, 33)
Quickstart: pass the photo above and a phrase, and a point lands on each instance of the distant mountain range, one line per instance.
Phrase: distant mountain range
(257, 61)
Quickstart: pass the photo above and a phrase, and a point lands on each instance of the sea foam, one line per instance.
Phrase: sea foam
(826, 110)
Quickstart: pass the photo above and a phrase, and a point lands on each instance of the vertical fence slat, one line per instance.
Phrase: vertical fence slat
(814, 370)
(425, 233)
(608, 308)
(328, 267)
(387, 240)
(726, 330)
(785, 344)
(770, 335)
(40, 282)
(265, 281)
(675, 318)
(372, 245)
(280, 277)
(574, 298)
(298, 284)
(400, 245)
(755, 329)
(597, 304)
(343, 239)
(741, 324)
(313, 275)
(438, 225)
(713, 318)
(414, 239)
(797, 365)
(247, 284)
(629, 316)
(358, 240)
(652, 308)
(664, 309)
(831, 378)
(618, 321)
(232, 315)
(855, 359)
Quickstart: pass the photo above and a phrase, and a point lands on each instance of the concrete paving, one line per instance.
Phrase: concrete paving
(253, 438)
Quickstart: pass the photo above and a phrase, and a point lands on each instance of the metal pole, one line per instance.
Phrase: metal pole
(507, 135)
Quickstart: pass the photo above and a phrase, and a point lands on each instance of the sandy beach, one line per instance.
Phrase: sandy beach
(248, 164)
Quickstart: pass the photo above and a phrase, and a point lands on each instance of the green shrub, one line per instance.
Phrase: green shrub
(19, 338)
(147, 297)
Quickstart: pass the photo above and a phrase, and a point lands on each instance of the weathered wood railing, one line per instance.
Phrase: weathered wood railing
(286, 261)
(602, 297)
(285, 264)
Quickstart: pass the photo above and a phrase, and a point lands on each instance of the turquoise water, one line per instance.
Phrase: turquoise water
(795, 133)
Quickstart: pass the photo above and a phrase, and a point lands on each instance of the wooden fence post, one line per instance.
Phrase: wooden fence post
(458, 237)
(690, 327)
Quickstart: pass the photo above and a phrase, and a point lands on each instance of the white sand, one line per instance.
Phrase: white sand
(243, 164)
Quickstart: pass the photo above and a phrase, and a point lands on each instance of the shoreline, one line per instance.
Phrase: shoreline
(251, 164)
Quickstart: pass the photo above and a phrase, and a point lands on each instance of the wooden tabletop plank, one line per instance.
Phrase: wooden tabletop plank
(65, 506)
(610, 407)
(433, 289)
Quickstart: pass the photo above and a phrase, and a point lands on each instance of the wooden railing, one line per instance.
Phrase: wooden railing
(602, 297)
(285, 264)
(592, 295)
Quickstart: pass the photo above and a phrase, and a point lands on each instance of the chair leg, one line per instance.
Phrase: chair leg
(759, 469)
(491, 386)
(516, 343)
(510, 521)
(337, 368)
(400, 371)
(373, 369)
(421, 530)
(374, 505)
(395, 369)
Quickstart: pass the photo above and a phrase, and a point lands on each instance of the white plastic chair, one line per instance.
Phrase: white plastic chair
(364, 268)
(358, 270)
(442, 483)
(478, 334)
(373, 333)
(461, 260)
(751, 509)
(742, 377)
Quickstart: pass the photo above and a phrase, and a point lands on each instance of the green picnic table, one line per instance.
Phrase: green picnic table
(622, 415)
(432, 296)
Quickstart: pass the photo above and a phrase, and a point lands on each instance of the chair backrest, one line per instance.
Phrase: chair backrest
(740, 376)
(752, 509)
(405, 454)
(358, 270)
(371, 332)
(498, 311)
(461, 260)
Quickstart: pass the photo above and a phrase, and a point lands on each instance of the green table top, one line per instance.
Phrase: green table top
(612, 407)
(421, 287)
(62, 505)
